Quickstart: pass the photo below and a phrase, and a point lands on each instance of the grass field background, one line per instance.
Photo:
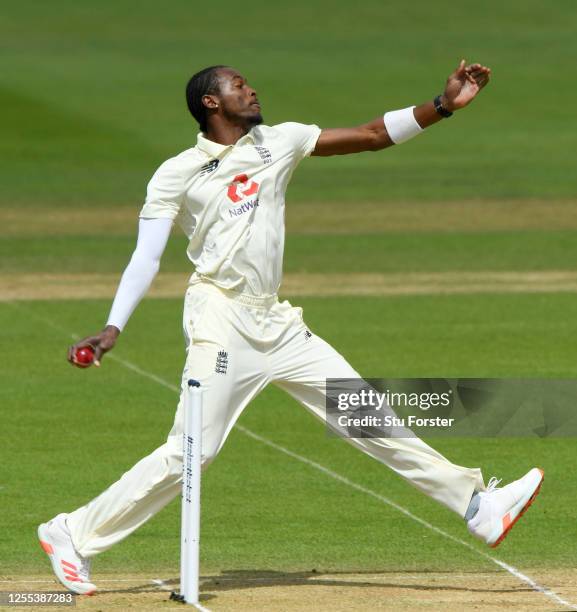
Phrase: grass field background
(262, 510)
(92, 102)
(93, 96)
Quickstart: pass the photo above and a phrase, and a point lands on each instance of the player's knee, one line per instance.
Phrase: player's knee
(173, 458)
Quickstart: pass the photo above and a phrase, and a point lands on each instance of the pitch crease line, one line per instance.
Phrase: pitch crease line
(328, 472)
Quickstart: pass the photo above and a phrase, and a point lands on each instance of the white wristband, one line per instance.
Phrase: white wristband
(401, 125)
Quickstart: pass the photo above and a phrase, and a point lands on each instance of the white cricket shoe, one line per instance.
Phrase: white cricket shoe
(70, 568)
(501, 508)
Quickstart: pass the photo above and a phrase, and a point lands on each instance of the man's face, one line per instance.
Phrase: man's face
(237, 100)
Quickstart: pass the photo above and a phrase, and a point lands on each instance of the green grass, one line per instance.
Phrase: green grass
(92, 102)
(70, 433)
(92, 97)
(325, 253)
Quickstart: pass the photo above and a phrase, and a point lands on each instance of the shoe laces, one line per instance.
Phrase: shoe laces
(84, 571)
(492, 484)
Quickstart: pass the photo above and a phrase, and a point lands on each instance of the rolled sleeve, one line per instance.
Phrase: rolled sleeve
(165, 193)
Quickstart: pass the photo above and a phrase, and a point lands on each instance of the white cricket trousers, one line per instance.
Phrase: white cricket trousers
(236, 346)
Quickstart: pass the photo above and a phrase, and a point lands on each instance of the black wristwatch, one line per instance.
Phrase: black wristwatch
(440, 108)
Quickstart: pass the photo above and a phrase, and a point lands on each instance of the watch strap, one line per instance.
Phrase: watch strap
(440, 108)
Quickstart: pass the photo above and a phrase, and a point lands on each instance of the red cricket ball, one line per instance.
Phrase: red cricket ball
(84, 356)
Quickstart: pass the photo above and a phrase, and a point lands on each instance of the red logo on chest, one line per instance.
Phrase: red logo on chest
(241, 188)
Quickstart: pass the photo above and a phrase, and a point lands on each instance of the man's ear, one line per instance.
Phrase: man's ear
(210, 101)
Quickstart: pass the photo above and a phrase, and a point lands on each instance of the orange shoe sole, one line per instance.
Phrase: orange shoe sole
(525, 508)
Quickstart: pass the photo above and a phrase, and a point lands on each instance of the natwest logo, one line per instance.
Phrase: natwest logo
(241, 188)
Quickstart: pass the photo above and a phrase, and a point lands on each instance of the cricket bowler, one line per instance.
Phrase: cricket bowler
(227, 193)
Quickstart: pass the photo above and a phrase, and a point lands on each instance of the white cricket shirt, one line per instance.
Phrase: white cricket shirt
(229, 200)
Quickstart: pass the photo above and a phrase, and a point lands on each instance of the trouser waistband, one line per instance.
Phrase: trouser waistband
(257, 301)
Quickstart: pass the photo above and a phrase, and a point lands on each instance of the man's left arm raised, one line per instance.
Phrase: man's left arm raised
(462, 86)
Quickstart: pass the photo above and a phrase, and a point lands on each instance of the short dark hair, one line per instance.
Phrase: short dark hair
(202, 83)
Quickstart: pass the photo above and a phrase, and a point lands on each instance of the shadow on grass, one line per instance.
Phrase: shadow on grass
(232, 580)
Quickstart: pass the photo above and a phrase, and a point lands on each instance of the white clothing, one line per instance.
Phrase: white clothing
(229, 200)
(137, 277)
(236, 345)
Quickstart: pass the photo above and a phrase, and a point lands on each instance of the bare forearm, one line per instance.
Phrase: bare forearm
(426, 115)
(372, 136)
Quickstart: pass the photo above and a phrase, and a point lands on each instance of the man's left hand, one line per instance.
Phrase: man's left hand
(464, 85)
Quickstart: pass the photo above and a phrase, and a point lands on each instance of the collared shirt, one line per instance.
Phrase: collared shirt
(229, 200)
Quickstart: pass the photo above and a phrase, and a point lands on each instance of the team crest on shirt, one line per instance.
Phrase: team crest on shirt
(221, 362)
(264, 153)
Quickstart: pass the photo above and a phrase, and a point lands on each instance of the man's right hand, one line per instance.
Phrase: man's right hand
(101, 343)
